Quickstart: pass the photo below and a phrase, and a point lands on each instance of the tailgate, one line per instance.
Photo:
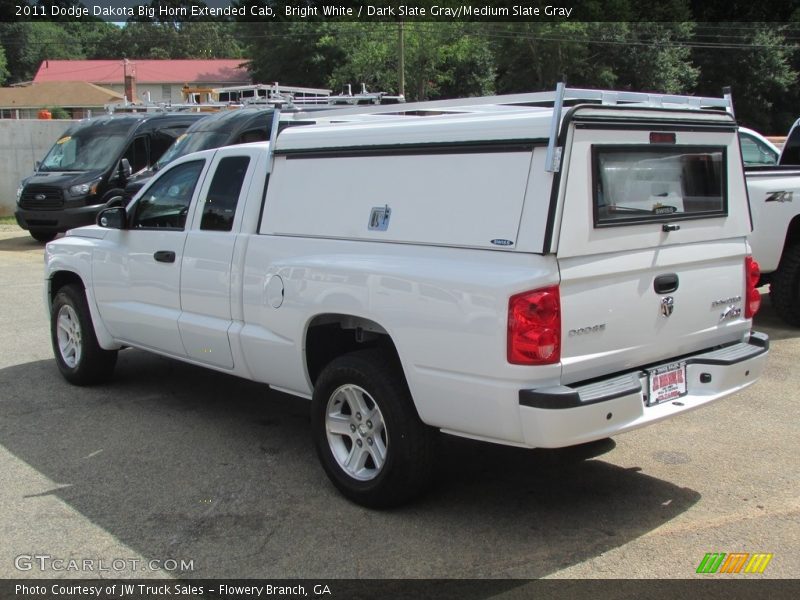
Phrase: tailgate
(650, 241)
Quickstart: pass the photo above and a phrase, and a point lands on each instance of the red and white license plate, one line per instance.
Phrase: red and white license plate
(667, 382)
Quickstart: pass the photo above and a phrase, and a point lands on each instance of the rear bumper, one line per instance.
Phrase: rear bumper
(57, 220)
(567, 415)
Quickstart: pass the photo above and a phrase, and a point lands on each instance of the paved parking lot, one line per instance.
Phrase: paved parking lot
(172, 462)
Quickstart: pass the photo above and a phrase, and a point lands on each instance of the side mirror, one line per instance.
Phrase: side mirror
(36, 165)
(112, 218)
(124, 170)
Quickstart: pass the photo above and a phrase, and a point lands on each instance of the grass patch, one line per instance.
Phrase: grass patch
(8, 220)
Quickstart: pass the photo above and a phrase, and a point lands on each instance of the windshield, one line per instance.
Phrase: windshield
(84, 152)
(192, 141)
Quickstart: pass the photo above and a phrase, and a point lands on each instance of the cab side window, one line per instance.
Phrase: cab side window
(223, 194)
(166, 203)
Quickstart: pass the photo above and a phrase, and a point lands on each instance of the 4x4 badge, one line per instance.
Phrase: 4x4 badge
(779, 197)
(667, 306)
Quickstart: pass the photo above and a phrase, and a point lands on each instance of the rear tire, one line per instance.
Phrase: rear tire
(42, 235)
(79, 357)
(367, 433)
(784, 290)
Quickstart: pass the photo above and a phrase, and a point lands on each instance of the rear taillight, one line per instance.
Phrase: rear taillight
(752, 274)
(534, 327)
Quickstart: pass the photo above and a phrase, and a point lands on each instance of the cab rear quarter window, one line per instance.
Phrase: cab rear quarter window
(634, 184)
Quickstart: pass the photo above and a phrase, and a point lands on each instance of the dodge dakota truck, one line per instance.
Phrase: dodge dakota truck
(539, 270)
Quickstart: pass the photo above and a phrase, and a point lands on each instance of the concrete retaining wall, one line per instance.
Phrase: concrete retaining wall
(22, 143)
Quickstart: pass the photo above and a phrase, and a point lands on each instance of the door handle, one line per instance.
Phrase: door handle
(666, 284)
(166, 256)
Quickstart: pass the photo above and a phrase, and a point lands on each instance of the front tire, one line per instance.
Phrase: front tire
(784, 289)
(79, 357)
(367, 433)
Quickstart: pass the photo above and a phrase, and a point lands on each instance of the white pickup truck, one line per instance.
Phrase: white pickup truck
(483, 267)
(774, 191)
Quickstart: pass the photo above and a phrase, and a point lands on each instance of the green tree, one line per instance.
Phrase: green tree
(755, 59)
(168, 37)
(652, 56)
(446, 60)
(205, 39)
(57, 112)
(534, 55)
(27, 44)
(3, 65)
(190, 39)
(95, 38)
(292, 53)
(441, 59)
(626, 55)
(367, 56)
(144, 39)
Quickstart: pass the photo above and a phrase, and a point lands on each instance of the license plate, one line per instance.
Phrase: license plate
(667, 382)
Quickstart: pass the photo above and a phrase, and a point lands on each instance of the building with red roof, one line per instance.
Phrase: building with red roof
(155, 80)
(78, 98)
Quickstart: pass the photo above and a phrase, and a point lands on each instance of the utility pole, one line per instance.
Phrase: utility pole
(401, 48)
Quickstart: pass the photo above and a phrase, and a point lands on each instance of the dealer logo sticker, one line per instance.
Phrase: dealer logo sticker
(717, 563)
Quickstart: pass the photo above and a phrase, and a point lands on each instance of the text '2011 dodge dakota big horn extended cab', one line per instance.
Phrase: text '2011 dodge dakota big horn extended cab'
(481, 267)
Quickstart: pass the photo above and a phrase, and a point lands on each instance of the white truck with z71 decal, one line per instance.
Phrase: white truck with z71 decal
(774, 191)
(503, 269)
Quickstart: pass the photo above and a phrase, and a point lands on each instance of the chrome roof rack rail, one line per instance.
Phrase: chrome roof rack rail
(539, 100)
(552, 162)
(545, 100)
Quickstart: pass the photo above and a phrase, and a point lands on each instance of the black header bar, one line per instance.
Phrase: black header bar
(450, 11)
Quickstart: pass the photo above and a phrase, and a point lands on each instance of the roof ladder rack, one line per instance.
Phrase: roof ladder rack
(273, 138)
(728, 95)
(543, 100)
(609, 97)
(537, 100)
(552, 161)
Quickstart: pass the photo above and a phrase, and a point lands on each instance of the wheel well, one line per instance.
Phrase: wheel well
(792, 233)
(332, 335)
(61, 278)
(792, 238)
